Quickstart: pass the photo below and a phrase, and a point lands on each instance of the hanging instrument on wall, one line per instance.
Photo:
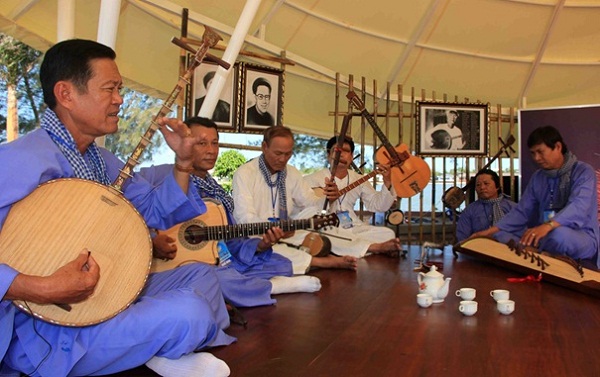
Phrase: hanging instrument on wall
(410, 174)
(560, 270)
(454, 196)
(61, 217)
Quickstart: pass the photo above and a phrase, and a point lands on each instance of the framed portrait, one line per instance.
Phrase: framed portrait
(225, 114)
(452, 129)
(262, 98)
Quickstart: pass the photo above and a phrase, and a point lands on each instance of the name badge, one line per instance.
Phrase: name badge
(549, 215)
(345, 219)
(224, 254)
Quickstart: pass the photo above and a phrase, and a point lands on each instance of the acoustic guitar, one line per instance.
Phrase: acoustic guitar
(60, 218)
(410, 174)
(454, 196)
(196, 239)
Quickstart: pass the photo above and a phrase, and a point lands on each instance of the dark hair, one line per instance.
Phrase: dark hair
(547, 135)
(200, 121)
(276, 131)
(209, 76)
(70, 61)
(333, 141)
(261, 81)
(491, 173)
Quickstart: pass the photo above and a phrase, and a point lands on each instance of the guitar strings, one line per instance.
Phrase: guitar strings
(34, 323)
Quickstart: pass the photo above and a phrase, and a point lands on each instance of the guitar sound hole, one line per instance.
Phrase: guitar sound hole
(193, 234)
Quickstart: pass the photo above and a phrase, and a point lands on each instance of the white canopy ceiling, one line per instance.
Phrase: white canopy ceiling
(537, 53)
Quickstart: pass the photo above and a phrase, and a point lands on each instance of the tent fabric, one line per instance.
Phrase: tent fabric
(513, 53)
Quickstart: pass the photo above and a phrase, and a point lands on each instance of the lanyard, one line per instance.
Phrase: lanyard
(344, 197)
(274, 196)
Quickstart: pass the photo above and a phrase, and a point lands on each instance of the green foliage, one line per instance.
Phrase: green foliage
(227, 186)
(137, 113)
(227, 164)
(309, 153)
(19, 68)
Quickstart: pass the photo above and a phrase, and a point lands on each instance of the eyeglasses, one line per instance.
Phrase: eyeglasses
(262, 97)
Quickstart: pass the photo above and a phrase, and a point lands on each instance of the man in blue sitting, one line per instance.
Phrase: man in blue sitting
(558, 210)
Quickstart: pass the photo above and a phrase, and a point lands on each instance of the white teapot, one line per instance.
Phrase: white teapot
(434, 284)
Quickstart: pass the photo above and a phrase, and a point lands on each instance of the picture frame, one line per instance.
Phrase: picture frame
(452, 129)
(225, 114)
(264, 108)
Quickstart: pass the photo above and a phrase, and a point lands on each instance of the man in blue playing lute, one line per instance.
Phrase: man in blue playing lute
(178, 312)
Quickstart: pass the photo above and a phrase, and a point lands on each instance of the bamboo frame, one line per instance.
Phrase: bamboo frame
(500, 125)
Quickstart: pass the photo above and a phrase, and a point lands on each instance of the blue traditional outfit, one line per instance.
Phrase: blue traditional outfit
(479, 216)
(571, 198)
(245, 281)
(178, 312)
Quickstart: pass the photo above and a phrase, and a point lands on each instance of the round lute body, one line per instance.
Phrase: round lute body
(395, 217)
(60, 218)
(317, 244)
(53, 224)
(454, 197)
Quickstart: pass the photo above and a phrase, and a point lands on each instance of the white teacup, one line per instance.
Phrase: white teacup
(466, 293)
(424, 300)
(505, 307)
(468, 307)
(500, 294)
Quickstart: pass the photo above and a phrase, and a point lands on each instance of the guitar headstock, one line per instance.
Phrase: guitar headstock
(357, 102)
(321, 221)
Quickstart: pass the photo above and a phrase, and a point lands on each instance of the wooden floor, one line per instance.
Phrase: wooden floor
(346, 306)
(367, 323)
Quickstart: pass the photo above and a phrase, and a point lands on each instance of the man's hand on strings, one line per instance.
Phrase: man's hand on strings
(270, 238)
(73, 282)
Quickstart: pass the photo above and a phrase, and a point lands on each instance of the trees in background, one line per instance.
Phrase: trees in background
(19, 67)
(226, 165)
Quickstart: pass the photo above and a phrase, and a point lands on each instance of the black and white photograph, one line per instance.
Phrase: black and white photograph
(452, 129)
(225, 113)
(262, 99)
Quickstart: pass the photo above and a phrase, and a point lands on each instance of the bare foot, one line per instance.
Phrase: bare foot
(391, 246)
(332, 261)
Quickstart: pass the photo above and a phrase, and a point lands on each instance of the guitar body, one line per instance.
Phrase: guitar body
(192, 247)
(411, 176)
(53, 224)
